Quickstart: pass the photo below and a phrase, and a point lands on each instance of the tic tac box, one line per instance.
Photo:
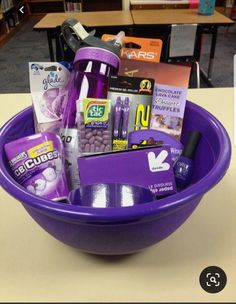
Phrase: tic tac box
(148, 167)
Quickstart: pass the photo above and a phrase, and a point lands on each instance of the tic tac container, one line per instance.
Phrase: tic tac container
(37, 162)
(94, 125)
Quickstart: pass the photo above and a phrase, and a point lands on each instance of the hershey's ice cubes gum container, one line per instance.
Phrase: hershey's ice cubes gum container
(37, 162)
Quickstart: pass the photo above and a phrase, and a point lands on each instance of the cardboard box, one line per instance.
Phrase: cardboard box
(163, 73)
(168, 108)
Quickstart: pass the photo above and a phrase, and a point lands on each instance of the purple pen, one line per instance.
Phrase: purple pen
(125, 110)
(117, 116)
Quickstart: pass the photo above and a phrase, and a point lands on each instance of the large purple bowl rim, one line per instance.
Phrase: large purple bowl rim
(137, 212)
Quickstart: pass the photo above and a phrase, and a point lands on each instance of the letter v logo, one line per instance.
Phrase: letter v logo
(156, 163)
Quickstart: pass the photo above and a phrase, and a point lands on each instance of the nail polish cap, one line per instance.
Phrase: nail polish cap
(191, 145)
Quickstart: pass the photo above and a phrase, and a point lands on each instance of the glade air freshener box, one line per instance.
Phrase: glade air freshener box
(49, 91)
(131, 100)
(148, 167)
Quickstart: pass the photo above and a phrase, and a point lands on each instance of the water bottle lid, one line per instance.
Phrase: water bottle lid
(97, 54)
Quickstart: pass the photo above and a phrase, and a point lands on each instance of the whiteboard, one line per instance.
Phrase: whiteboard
(182, 40)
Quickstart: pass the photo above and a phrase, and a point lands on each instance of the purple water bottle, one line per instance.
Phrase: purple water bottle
(94, 62)
(92, 67)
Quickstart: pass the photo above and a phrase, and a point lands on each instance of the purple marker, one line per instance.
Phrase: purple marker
(126, 110)
(117, 117)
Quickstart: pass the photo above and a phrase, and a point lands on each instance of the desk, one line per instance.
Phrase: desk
(89, 19)
(158, 4)
(207, 24)
(94, 19)
(179, 16)
(36, 267)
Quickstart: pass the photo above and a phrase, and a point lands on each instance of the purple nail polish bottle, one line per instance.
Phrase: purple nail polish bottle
(183, 168)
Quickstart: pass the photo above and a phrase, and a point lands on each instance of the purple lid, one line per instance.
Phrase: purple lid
(98, 54)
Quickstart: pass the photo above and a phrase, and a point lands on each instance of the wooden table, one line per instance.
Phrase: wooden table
(177, 16)
(158, 4)
(35, 267)
(90, 19)
(206, 24)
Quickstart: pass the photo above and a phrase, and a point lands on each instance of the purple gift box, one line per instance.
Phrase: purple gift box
(148, 167)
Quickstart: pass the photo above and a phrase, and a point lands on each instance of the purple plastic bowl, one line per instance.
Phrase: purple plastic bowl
(125, 230)
(110, 195)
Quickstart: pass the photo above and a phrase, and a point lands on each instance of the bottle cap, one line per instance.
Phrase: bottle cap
(72, 27)
(191, 145)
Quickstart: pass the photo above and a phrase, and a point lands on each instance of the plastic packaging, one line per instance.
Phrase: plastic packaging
(37, 162)
(49, 91)
(131, 99)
